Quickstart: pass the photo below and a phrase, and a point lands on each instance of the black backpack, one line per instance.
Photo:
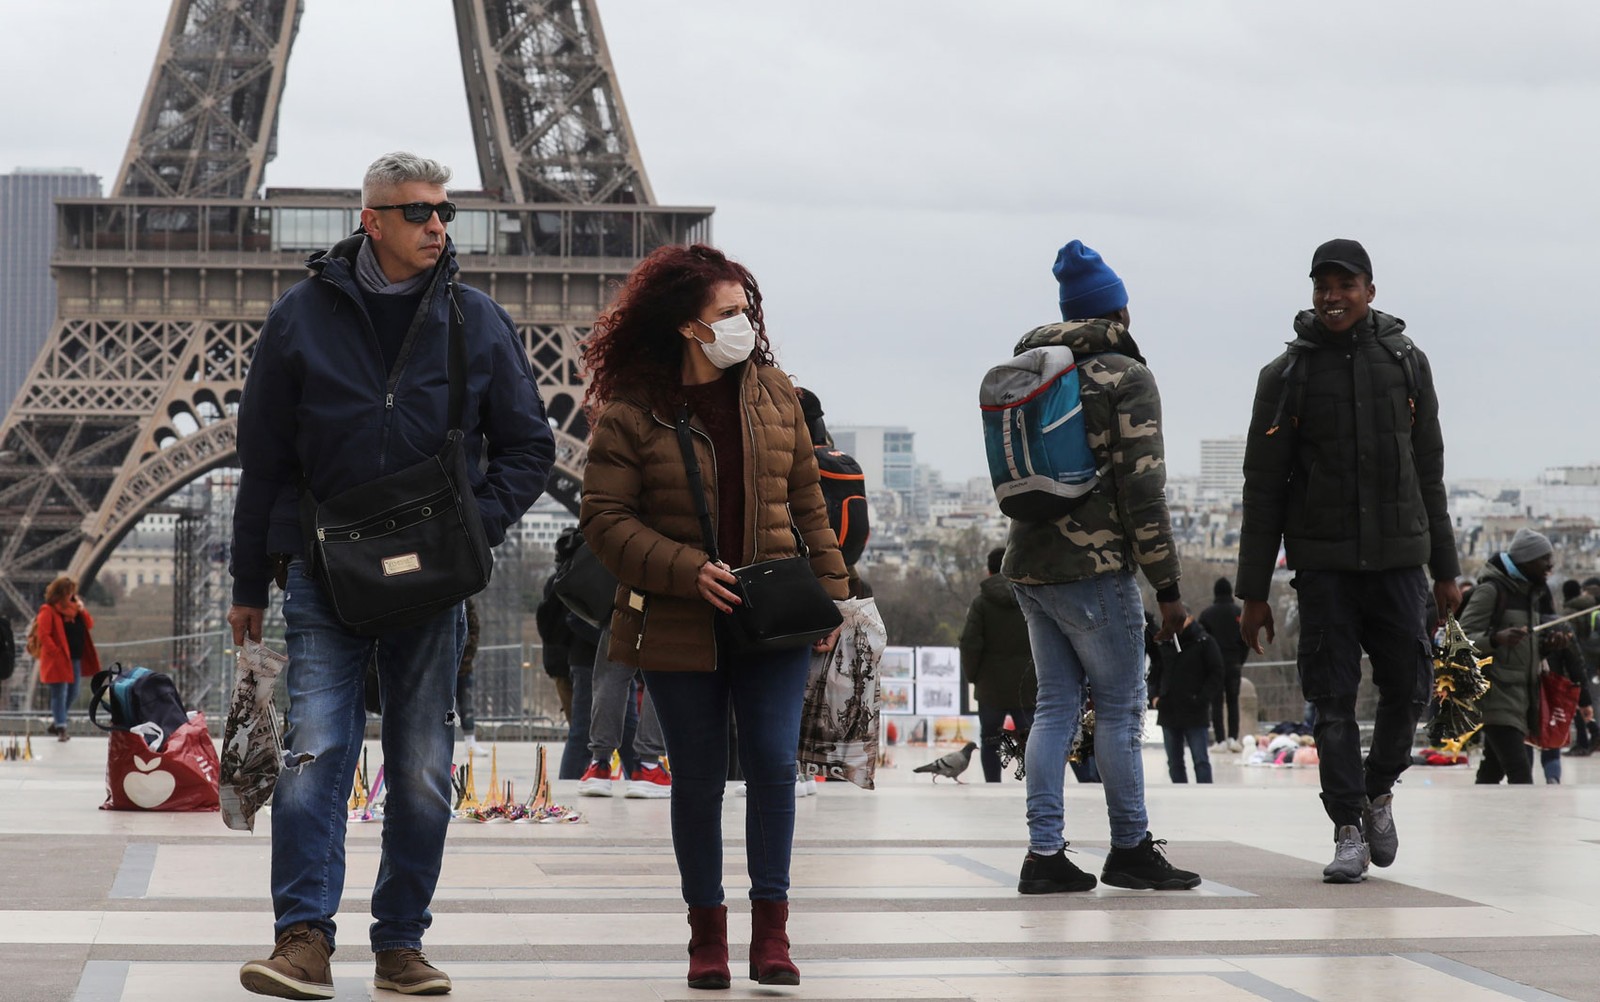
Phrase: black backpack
(137, 696)
(844, 487)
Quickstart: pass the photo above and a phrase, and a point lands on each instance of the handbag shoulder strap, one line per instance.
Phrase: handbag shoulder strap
(697, 486)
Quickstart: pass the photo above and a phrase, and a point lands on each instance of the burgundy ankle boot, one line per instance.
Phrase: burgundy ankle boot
(769, 944)
(708, 947)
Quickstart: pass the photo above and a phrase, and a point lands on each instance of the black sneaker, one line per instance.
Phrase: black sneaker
(1145, 868)
(1052, 875)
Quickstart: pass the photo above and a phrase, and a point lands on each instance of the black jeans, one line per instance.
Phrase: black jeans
(1231, 676)
(991, 724)
(1343, 613)
(1506, 756)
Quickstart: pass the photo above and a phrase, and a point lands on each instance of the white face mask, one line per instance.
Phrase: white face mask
(736, 338)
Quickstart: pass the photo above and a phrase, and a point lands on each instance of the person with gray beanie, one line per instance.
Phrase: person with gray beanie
(1344, 466)
(1499, 619)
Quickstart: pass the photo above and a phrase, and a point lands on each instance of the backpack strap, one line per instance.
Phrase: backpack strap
(1404, 352)
(100, 684)
(1294, 384)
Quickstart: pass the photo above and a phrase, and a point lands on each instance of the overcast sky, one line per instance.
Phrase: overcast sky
(900, 173)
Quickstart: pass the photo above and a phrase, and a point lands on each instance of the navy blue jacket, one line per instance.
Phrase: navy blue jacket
(315, 401)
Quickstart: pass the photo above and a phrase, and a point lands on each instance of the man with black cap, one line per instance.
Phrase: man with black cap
(1344, 465)
(1499, 619)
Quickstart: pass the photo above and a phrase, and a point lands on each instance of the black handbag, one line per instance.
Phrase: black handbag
(394, 551)
(585, 587)
(783, 606)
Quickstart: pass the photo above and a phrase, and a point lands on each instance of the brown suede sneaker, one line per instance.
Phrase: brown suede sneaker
(409, 973)
(297, 969)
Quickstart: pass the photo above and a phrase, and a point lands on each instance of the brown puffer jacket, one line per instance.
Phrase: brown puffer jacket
(641, 521)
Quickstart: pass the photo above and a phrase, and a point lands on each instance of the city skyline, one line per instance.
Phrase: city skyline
(860, 196)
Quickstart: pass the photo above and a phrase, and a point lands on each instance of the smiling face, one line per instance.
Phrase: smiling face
(405, 249)
(1341, 298)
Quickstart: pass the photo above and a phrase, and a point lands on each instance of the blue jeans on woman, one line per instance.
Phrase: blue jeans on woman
(1196, 738)
(766, 691)
(63, 694)
(327, 721)
(1091, 629)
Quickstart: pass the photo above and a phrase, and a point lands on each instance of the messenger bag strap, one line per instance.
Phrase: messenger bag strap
(697, 485)
(458, 360)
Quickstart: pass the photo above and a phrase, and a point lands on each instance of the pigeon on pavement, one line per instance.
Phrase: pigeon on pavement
(952, 765)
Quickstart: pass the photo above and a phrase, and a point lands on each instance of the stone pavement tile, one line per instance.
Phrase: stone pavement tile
(1364, 979)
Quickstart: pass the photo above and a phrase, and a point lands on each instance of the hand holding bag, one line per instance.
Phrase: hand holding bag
(782, 604)
(394, 551)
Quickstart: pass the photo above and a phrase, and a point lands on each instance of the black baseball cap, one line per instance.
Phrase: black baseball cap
(1346, 254)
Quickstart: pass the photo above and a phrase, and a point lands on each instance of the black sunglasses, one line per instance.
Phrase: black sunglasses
(419, 212)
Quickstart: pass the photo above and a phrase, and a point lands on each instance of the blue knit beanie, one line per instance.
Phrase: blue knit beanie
(1089, 288)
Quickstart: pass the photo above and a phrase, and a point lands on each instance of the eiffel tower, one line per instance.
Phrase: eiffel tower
(163, 286)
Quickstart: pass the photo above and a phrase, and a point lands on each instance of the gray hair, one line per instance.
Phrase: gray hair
(398, 168)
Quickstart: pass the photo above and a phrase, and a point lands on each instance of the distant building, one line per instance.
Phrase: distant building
(27, 238)
(543, 524)
(1222, 469)
(887, 455)
(1564, 492)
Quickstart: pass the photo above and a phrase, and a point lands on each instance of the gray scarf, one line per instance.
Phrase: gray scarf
(372, 279)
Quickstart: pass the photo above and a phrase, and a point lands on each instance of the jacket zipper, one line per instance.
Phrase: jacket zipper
(715, 519)
(391, 380)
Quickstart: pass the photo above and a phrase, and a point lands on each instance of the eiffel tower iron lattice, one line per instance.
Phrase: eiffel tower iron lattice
(162, 287)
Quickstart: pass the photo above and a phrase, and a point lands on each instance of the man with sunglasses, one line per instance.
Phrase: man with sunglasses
(350, 381)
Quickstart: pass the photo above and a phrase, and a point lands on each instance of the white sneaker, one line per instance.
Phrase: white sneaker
(473, 748)
(1234, 745)
(805, 787)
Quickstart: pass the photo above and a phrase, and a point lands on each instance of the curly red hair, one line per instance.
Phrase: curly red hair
(635, 349)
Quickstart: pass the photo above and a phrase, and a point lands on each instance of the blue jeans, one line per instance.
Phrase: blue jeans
(575, 754)
(1091, 629)
(62, 695)
(417, 676)
(1196, 738)
(766, 691)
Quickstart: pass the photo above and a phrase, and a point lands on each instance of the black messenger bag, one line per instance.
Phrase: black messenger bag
(783, 606)
(394, 551)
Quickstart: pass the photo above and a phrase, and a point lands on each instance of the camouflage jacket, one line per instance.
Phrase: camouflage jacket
(1124, 520)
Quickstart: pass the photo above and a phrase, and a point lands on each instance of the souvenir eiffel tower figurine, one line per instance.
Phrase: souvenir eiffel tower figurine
(540, 798)
(494, 778)
(469, 794)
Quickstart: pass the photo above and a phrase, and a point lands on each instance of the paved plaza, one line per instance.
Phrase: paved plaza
(908, 892)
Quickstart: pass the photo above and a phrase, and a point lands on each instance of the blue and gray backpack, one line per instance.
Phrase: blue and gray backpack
(1033, 430)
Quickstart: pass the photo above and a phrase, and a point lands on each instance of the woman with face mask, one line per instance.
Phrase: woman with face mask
(686, 332)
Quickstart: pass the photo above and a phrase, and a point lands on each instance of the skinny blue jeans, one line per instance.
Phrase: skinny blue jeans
(1091, 629)
(62, 695)
(766, 692)
(417, 676)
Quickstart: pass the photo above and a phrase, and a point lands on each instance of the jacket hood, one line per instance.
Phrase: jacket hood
(1309, 331)
(1084, 337)
(996, 588)
(1494, 572)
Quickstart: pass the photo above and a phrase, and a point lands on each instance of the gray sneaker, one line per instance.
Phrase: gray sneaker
(1377, 821)
(1350, 858)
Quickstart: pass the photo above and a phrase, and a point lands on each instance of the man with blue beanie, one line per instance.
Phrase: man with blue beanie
(1074, 578)
(1344, 464)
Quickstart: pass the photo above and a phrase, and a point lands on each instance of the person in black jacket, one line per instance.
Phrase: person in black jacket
(1185, 677)
(1344, 464)
(349, 382)
(997, 660)
(1221, 620)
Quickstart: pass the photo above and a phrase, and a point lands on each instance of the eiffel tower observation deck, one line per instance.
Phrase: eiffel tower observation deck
(164, 285)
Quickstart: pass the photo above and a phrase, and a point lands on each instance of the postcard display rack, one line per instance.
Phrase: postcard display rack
(924, 682)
